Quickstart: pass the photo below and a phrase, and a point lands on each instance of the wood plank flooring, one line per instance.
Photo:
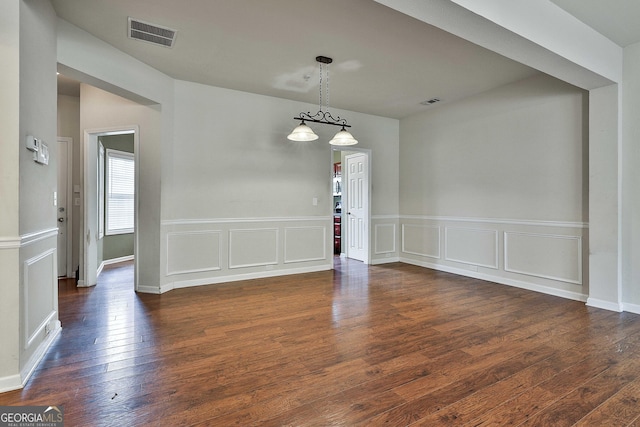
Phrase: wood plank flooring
(363, 345)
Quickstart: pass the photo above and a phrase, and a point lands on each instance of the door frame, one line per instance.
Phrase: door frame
(69, 207)
(367, 152)
(89, 226)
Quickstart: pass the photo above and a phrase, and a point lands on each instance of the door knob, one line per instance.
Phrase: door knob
(60, 219)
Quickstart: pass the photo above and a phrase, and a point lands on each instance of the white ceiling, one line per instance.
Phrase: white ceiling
(618, 20)
(385, 63)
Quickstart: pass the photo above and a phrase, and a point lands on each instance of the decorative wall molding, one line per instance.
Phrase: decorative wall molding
(577, 296)
(234, 278)
(435, 255)
(378, 241)
(493, 235)
(43, 267)
(10, 243)
(213, 256)
(198, 252)
(305, 244)
(208, 221)
(562, 224)
(508, 254)
(385, 217)
(245, 252)
(27, 239)
(15, 242)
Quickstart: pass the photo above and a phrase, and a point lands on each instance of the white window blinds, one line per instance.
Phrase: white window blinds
(120, 191)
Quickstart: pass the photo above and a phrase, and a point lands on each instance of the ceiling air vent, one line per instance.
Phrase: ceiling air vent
(430, 101)
(151, 33)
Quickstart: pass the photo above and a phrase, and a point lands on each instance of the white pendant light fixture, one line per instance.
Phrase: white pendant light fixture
(343, 138)
(305, 133)
(302, 133)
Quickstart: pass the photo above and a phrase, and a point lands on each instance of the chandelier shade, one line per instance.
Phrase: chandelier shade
(343, 138)
(304, 133)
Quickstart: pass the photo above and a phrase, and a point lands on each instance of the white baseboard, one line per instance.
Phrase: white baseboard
(606, 305)
(10, 383)
(501, 280)
(631, 308)
(233, 278)
(379, 261)
(15, 382)
(40, 352)
(106, 262)
(149, 289)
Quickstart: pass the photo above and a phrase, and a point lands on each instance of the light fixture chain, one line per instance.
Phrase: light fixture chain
(320, 86)
(327, 87)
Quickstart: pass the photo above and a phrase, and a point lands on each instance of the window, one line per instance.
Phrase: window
(120, 191)
(100, 191)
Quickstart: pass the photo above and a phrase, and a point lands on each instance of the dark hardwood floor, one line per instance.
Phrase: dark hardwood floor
(361, 345)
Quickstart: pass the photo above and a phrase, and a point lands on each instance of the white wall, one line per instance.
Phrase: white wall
(101, 110)
(87, 59)
(38, 212)
(9, 194)
(631, 179)
(28, 244)
(496, 187)
(235, 181)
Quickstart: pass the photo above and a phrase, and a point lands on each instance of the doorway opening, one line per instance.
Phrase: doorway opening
(65, 203)
(111, 157)
(351, 203)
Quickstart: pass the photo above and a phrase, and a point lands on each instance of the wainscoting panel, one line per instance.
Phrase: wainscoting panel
(40, 294)
(217, 250)
(423, 240)
(544, 256)
(555, 257)
(193, 251)
(303, 244)
(384, 238)
(253, 247)
(472, 246)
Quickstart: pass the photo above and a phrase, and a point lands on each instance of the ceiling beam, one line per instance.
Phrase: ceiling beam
(535, 33)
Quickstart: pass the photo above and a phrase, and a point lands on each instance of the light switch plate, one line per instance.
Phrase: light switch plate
(31, 143)
(43, 153)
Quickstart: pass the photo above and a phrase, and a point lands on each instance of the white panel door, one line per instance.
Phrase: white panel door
(357, 206)
(62, 208)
